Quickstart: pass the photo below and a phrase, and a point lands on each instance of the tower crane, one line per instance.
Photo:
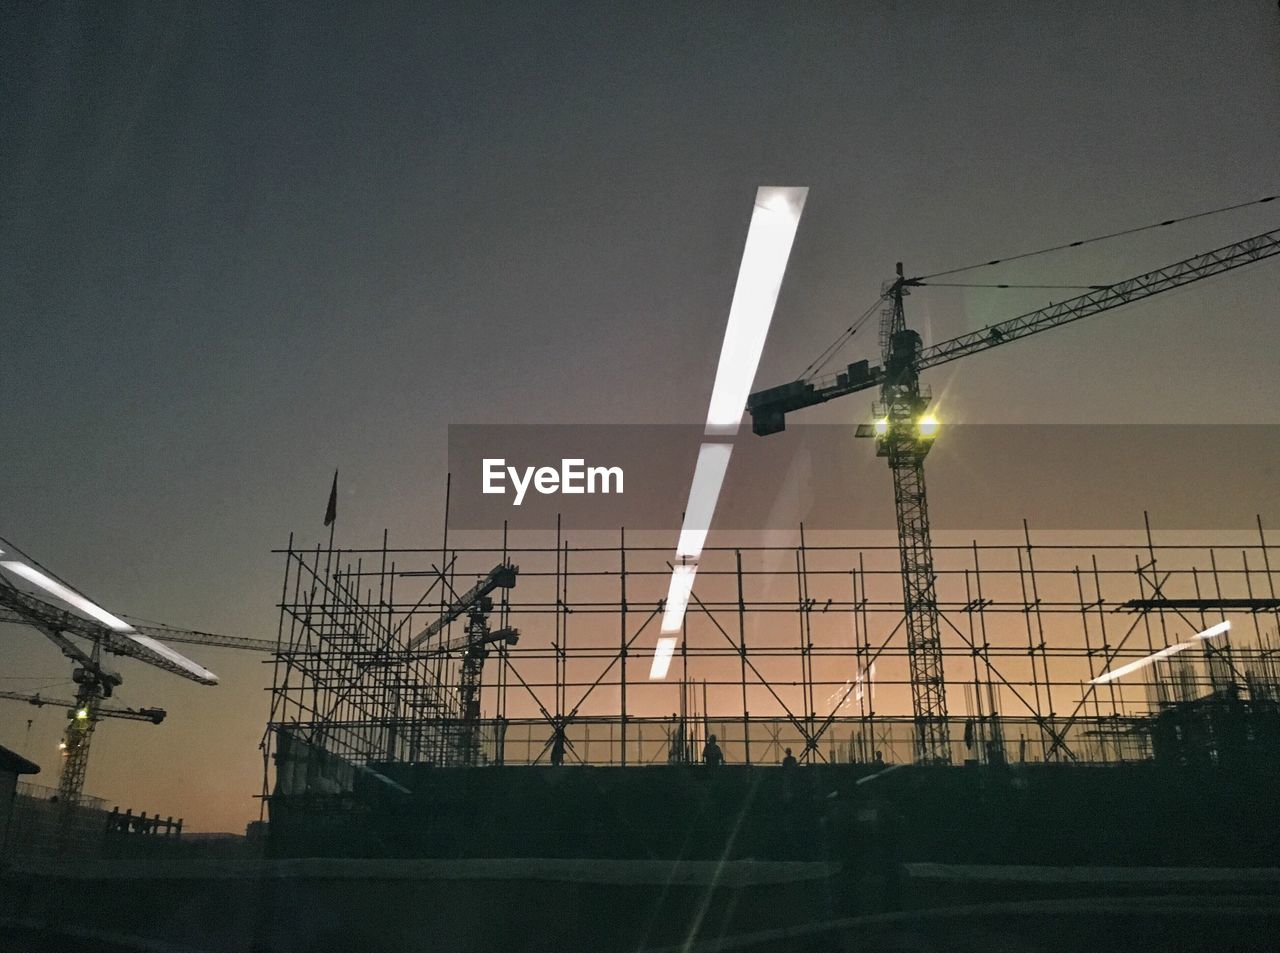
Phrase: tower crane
(85, 641)
(455, 718)
(81, 719)
(476, 603)
(904, 432)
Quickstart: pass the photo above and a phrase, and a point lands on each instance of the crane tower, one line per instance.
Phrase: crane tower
(904, 435)
(904, 432)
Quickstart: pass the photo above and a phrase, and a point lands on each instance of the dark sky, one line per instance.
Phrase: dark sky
(244, 244)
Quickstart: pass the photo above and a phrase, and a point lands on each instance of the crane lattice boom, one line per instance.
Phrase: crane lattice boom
(768, 408)
(153, 715)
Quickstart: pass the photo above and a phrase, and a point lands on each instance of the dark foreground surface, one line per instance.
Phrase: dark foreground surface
(836, 857)
(859, 815)
(309, 906)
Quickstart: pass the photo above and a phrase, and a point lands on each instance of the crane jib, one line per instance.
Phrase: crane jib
(768, 408)
(1181, 273)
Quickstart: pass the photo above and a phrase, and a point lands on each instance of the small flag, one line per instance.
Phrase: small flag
(331, 511)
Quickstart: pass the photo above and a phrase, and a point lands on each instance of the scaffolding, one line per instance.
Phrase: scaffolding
(799, 644)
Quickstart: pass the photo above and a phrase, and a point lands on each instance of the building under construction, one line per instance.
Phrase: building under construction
(417, 692)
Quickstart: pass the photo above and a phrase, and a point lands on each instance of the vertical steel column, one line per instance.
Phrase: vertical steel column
(622, 637)
(75, 752)
(473, 657)
(742, 657)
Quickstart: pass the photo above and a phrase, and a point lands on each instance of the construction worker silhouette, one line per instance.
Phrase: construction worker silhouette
(557, 748)
(712, 754)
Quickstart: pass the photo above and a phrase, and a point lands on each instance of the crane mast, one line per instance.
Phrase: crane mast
(475, 604)
(902, 440)
(91, 687)
(93, 684)
(476, 641)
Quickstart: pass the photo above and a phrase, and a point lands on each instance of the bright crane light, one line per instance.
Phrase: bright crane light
(928, 425)
(82, 714)
(764, 262)
(881, 426)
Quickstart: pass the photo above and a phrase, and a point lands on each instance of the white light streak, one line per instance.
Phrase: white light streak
(95, 611)
(764, 262)
(870, 681)
(678, 598)
(662, 658)
(879, 774)
(855, 689)
(69, 596)
(177, 658)
(708, 475)
(1213, 630)
(1143, 662)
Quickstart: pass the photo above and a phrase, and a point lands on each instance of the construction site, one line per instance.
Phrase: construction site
(664, 689)
(879, 720)
(541, 661)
